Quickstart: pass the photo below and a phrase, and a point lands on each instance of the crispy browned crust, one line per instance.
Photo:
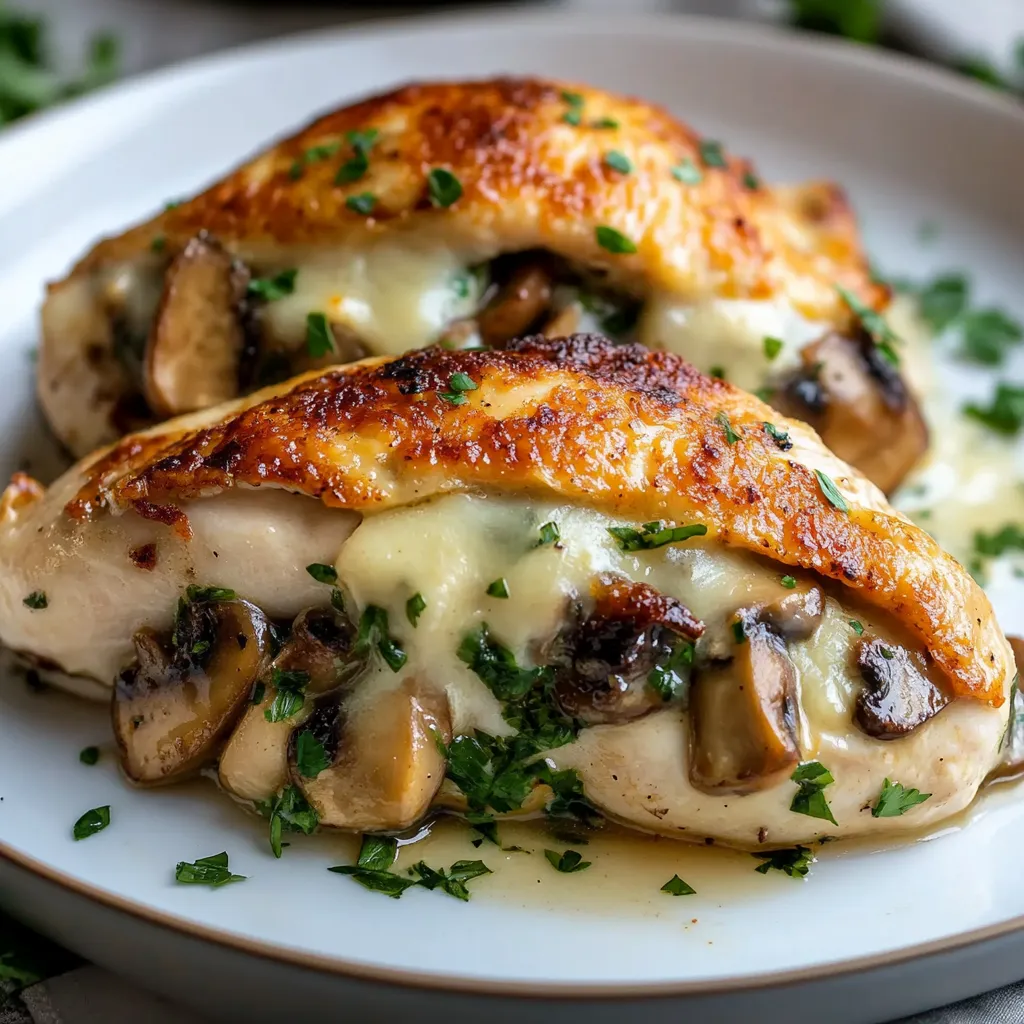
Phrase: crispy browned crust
(635, 433)
(532, 180)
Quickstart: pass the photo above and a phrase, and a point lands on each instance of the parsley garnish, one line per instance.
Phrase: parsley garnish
(780, 437)
(36, 600)
(363, 203)
(310, 757)
(614, 241)
(751, 180)
(1005, 413)
(457, 384)
(374, 632)
(313, 155)
(92, 822)
(574, 114)
(567, 862)
(986, 335)
(454, 881)
(812, 777)
(831, 492)
(210, 595)
(414, 608)
(688, 172)
(654, 535)
(273, 288)
(358, 164)
(675, 886)
(718, 372)
(499, 588)
(874, 323)
(548, 534)
(618, 161)
(943, 300)
(290, 695)
(604, 122)
(90, 755)
(722, 419)
(859, 20)
(323, 573)
(739, 631)
(671, 679)
(795, 861)
(212, 871)
(711, 154)
(496, 665)
(158, 244)
(857, 627)
(789, 582)
(288, 812)
(894, 800)
(319, 337)
(444, 188)
(772, 347)
(992, 545)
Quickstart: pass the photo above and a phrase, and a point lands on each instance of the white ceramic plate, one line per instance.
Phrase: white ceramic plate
(869, 935)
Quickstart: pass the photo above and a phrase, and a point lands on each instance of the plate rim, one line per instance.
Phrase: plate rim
(900, 68)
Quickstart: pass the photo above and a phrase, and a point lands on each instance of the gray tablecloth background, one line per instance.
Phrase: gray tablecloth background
(158, 32)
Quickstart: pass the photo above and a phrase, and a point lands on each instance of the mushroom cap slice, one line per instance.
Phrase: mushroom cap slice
(254, 763)
(857, 401)
(741, 731)
(522, 300)
(898, 693)
(385, 765)
(172, 707)
(195, 351)
(794, 616)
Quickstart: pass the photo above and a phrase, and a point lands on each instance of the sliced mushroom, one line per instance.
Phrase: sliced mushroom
(565, 322)
(859, 404)
(796, 615)
(384, 762)
(741, 717)
(517, 306)
(173, 706)
(195, 351)
(603, 663)
(898, 694)
(254, 764)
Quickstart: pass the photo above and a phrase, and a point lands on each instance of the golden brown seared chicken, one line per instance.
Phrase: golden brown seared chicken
(569, 556)
(472, 213)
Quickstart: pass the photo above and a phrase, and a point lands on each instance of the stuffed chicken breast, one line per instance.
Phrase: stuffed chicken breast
(569, 574)
(472, 213)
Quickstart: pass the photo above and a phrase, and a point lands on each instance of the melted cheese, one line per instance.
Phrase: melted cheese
(728, 335)
(390, 297)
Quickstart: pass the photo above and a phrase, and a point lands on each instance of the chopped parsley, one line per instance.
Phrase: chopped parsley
(357, 164)
(212, 871)
(751, 180)
(857, 627)
(363, 203)
(780, 437)
(496, 665)
(722, 419)
(688, 172)
(290, 694)
(499, 588)
(443, 187)
(209, 595)
(739, 631)
(567, 862)
(319, 337)
(310, 757)
(987, 335)
(812, 778)
(313, 155)
(288, 812)
(453, 882)
(574, 115)
(548, 534)
(895, 800)
(602, 123)
(458, 383)
(414, 608)
(859, 20)
(675, 886)
(874, 323)
(942, 300)
(374, 632)
(323, 573)
(158, 244)
(654, 535)
(992, 545)
(831, 492)
(618, 161)
(711, 154)
(672, 678)
(718, 372)
(36, 600)
(1004, 413)
(92, 822)
(772, 347)
(795, 861)
(789, 582)
(90, 755)
(270, 289)
(614, 241)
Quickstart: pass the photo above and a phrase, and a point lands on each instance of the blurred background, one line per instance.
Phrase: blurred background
(52, 49)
